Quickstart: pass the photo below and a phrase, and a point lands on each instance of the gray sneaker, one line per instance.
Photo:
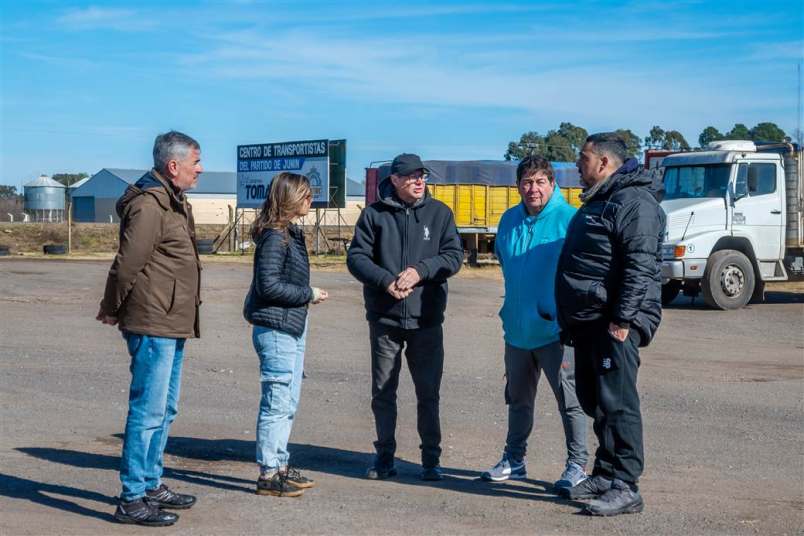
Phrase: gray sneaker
(620, 499)
(572, 476)
(591, 488)
(505, 469)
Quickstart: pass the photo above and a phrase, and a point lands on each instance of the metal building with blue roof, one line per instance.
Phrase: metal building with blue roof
(95, 199)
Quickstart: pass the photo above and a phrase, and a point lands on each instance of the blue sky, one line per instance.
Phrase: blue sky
(88, 85)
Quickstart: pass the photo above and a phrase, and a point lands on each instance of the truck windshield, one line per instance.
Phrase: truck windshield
(689, 182)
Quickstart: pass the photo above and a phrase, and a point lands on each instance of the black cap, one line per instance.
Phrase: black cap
(407, 163)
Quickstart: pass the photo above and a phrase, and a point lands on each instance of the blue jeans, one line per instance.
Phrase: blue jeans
(281, 366)
(153, 402)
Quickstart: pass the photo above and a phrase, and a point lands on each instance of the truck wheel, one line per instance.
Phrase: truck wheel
(728, 280)
(670, 290)
(473, 258)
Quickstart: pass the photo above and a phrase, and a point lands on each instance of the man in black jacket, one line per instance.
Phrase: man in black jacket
(405, 247)
(608, 297)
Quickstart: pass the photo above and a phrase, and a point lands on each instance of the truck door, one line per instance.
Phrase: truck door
(759, 209)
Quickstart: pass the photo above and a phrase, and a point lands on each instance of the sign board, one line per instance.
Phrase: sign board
(258, 164)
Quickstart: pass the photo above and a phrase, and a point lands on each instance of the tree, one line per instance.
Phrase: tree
(674, 141)
(68, 178)
(739, 132)
(7, 192)
(565, 144)
(767, 132)
(709, 134)
(562, 145)
(575, 135)
(655, 138)
(530, 143)
(632, 141)
(558, 148)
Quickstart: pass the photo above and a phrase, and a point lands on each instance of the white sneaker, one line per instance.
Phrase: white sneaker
(506, 469)
(572, 476)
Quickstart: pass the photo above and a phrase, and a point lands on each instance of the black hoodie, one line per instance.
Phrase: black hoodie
(390, 237)
(610, 266)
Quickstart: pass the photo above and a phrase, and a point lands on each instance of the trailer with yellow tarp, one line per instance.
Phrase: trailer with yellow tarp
(478, 192)
(482, 205)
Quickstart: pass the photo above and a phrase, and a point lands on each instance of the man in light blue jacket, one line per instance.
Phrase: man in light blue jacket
(528, 244)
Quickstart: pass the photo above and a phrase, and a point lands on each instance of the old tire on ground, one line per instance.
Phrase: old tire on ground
(670, 291)
(205, 246)
(728, 281)
(54, 249)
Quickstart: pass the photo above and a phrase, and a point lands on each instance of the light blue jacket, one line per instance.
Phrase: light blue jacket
(528, 248)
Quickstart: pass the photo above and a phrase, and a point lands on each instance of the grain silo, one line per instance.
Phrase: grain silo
(44, 200)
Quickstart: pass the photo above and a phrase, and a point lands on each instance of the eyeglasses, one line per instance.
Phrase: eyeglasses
(416, 176)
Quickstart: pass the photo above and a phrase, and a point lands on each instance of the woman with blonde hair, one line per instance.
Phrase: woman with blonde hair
(276, 306)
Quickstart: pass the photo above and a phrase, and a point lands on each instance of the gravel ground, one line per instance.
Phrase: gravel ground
(722, 398)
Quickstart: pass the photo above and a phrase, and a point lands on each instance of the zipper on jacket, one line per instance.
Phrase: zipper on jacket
(522, 271)
(404, 266)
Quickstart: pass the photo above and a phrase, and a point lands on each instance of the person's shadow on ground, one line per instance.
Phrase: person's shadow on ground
(41, 493)
(329, 460)
(351, 464)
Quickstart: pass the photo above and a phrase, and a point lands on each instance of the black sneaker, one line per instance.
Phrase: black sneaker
(139, 512)
(591, 488)
(278, 485)
(163, 497)
(380, 473)
(620, 499)
(299, 480)
(432, 474)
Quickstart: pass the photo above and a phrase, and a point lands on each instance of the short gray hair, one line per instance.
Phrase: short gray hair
(172, 145)
(609, 143)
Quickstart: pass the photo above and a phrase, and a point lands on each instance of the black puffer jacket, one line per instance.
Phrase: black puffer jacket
(610, 265)
(389, 237)
(280, 289)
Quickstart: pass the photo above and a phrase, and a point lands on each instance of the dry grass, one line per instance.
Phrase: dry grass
(88, 238)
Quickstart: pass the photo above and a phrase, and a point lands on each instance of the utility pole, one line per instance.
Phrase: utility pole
(69, 225)
(799, 134)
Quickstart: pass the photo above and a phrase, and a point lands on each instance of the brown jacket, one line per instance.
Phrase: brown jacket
(154, 283)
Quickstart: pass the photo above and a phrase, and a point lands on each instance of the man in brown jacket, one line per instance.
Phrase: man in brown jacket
(152, 294)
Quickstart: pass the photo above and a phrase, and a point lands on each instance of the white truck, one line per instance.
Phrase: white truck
(734, 221)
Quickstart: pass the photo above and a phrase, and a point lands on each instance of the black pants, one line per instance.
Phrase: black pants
(424, 350)
(606, 383)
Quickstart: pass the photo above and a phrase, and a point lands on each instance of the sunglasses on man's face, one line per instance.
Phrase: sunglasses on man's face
(417, 176)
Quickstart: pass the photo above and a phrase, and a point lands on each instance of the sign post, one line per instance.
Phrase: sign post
(323, 162)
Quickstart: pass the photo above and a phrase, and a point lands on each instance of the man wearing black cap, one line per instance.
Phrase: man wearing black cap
(404, 248)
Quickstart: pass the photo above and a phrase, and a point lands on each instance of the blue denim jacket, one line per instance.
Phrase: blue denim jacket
(528, 248)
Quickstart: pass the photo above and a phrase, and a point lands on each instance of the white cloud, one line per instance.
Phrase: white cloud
(119, 19)
(72, 62)
(790, 50)
(393, 70)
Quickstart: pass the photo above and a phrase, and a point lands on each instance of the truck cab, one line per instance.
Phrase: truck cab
(733, 221)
